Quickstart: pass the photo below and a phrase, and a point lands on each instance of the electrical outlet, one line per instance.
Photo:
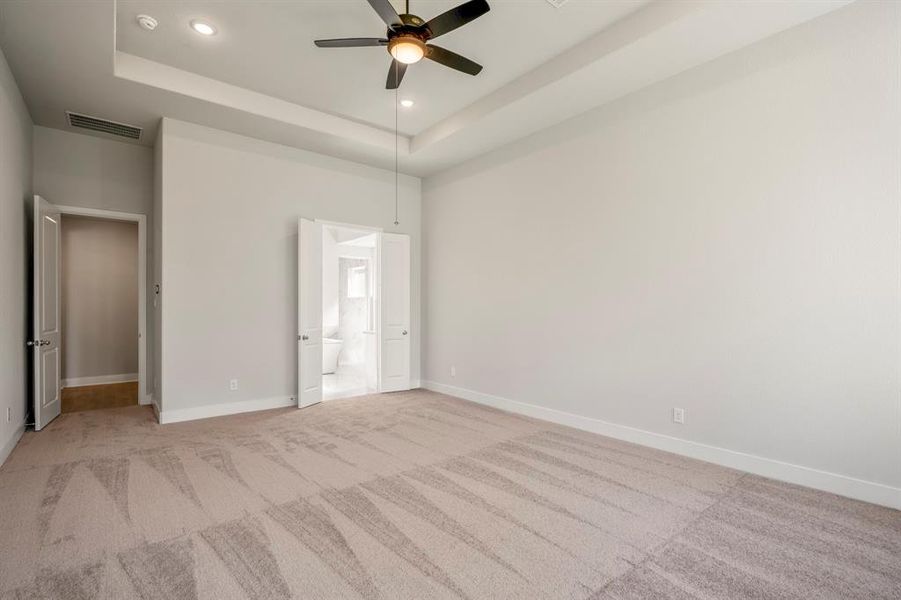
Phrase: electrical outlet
(233, 384)
(679, 416)
(453, 371)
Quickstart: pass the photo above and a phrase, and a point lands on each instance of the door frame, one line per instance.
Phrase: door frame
(141, 220)
(325, 223)
(377, 287)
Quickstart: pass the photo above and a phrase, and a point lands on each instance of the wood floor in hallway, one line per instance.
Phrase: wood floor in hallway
(98, 397)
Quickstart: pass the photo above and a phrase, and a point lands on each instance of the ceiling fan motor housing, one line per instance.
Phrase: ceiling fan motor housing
(412, 26)
(411, 20)
(407, 42)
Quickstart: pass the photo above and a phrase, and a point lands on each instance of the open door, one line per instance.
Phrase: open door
(46, 313)
(309, 313)
(395, 308)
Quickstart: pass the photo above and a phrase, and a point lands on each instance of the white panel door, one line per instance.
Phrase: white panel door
(309, 313)
(46, 313)
(395, 319)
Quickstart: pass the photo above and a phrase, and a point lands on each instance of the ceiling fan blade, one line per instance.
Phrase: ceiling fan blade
(386, 12)
(395, 75)
(351, 42)
(457, 17)
(452, 60)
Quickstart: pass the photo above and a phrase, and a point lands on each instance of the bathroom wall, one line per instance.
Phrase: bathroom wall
(353, 312)
(329, 283)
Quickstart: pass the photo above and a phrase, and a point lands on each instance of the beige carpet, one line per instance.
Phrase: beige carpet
(413, 495)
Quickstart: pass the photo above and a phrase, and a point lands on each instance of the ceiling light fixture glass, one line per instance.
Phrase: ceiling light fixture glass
(406, 49)
(203, 28)
(407, 103)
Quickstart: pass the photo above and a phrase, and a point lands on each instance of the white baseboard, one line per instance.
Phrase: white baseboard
(145, 400)
(98, 380)
(226, 408)
(842, 485)
(7, 448)
(415, 384)
(156, 407)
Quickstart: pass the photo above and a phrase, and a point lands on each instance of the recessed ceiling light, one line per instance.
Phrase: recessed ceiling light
(147, 22)
(406, 103)
(203, 28)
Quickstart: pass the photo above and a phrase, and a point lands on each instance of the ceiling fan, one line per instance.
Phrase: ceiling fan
(408, 35)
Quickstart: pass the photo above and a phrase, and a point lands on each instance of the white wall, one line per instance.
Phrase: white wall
(72, 169)
(92, 172)
(354, 311)
(726, 241)
(230, 206)
(99, 298)
(15, 188)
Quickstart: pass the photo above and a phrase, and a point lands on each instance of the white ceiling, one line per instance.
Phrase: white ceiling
(268, 47)
(261, 76)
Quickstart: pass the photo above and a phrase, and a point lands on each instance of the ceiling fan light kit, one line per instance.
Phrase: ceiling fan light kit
(408, 36)
(406, 49)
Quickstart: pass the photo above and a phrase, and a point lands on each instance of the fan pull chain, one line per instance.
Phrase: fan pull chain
(396, 222)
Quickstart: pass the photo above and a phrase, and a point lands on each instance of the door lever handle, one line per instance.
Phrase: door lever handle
(404, 332)
(304, 337)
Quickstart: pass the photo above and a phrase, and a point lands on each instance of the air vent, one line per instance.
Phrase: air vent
(102, 125)
(557, 3)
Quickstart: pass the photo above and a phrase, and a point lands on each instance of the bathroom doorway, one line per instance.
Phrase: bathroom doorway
(349, 312)
(353, 311)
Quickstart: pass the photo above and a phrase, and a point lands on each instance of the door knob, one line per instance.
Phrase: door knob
(404, 332)
(304, 337)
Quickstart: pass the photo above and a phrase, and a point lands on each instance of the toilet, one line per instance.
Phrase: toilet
(331, 347)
